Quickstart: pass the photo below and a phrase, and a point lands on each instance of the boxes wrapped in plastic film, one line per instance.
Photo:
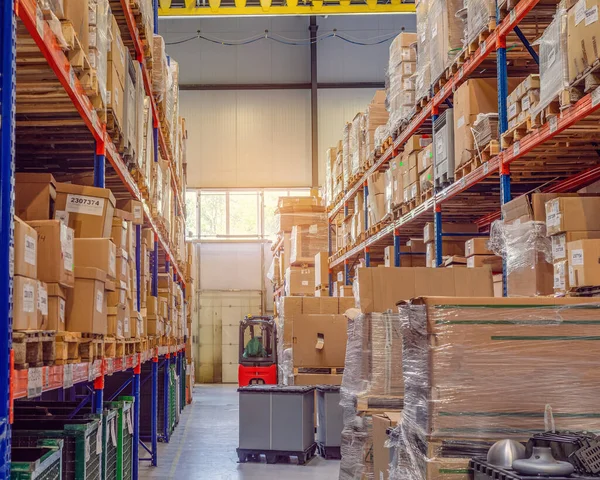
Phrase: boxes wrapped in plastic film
(346, 156)
(376, 198)
(382, 133)
(423, 68)
(292, 211)
(307, 241)
(528, 256)
(481, 15)
(160, 68)
(356, 145)
(481, 370)
(328, 190)
(376, 116)
(338, 172)
(98, 15)
(446, 33)
(554, 67)
(484, 129)
(400, 79)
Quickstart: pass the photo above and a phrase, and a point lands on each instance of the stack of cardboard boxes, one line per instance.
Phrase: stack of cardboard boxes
(522, 99)
(451, 246)
(400, 79)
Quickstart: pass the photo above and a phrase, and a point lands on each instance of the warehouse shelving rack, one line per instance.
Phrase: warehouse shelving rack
(478, 196)
(63, 381)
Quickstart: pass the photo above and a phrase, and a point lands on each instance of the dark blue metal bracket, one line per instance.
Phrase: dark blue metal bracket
(367, 257)
(396, 248)
(347, 272)
(7, 169)
(154, 407)
(166, 433)
(155, 267)
(366, 205)
(99, 165)
(527, 45)
(438, 236)
(137, 370)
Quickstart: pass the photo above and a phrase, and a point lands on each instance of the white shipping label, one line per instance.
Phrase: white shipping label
(559, 250)
(553, 206)
(591, 15)
(577, 257)
(61, 310)
(30, 250)
(67, 248)
(34, 382)
(126, 326)
(305, 283)
(525, 103)
(99, 439)
(512, 110)
(62, 216)
(99, 301)
(572, 282)
(580, 11)
(137, 212)
(29, 299)
(108, 97)
(553, 219)
(42, 299)
(85, 204)
(559, 282)
(460, 122)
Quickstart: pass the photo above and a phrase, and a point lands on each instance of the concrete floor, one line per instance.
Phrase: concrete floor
(203, 446)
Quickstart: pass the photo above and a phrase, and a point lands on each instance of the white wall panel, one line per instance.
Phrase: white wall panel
(336, 107)
(247, 138)
(230, 266)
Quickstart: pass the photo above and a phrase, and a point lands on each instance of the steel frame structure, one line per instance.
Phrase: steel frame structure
(432, 209)
(89, 376)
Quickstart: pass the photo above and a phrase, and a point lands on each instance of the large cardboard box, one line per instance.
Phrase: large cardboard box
(116, 50)
(382, 455)
(493, 261)
(25, 253)
(559, 242)
(319, 340)
(533, 278)
(119, 232)
(115, 93)
(306, 242)
(429, 230)
(97, 252)
(24, 303)
(76, 12)
(35, 194)
(135, 208)
(449, 248)
(568, 214)
(299, 281)
(529, 207)
(87, 210)
(318, 379)
(584, 263)
(55, 252)
(477, 246)
(583, 36)
(86, 303)
(379, 289)
(57, 305)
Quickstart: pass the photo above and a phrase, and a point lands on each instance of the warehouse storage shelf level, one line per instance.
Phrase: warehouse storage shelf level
(478, 195)
(72, 133)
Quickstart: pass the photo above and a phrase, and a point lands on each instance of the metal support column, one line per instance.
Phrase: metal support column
(527, 45)
(396, 247)
(7, 170)
(314, 102)
(99, 164)
(138, 266)
(346, 211)
(137, 370)
(155, 267)
(367, 257)
(99, 392)
(366, 204)
(167, 264)
(438, 235)
(154, 412)
(329, 253)
(166, 402)
(346, 272)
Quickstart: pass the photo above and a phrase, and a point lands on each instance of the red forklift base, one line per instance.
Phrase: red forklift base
(257, 375)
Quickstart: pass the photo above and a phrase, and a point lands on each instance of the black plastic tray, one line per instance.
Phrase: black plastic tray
(482, 470)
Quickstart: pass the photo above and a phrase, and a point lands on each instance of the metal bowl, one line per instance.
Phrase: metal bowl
(504, 452)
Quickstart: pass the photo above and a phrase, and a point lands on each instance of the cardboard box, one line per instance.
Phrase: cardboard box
(429, 230)
(42, 306)
(55, 252)
(583, 37)
(493, 261)
(379, 289)
(86, 303)
(24, 303)
(449, 248)
(97, 252)
(299, 281)
(136, 325)
(319, 340)
(561, 277)
(382, 455)
(35, 194)
(321, 269)
(559, 242)
(318, 379)
(306, 242)
(76, 12)
(122, 267)
(533, 279)
(154, 325)
(25, 249)
(477, 246)
(584, 263)
(318, 306)
(148, 239)
(529, 207)
(425, 159)
(568, 214)
(119, 233)
(498, 286)
(346, 303)
(115, 93)
(87, 210)
(117, 54)
(57, 305)
(135, 208)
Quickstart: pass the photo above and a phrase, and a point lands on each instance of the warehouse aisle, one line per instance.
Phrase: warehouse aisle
(203, 446)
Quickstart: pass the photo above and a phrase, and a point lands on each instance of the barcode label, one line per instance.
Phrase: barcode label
(34, 382)
(553, 123)
(68, 376)
(516, 148)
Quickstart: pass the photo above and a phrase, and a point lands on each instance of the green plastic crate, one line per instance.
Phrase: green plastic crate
(124, 464)
(42, 462)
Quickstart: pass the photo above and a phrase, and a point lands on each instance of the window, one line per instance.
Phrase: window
(234, 214)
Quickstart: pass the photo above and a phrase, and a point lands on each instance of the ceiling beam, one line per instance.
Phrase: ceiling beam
(280, 86)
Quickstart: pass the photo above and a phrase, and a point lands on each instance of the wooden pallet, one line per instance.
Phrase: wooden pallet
(33, 348)
(382, 403)
(91, 347)
(319, 370)
(67, 348)
(410, 205)
(424, 196)
(375, 229)
(491, 150)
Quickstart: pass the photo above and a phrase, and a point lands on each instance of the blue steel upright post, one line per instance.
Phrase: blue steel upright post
(154, 285)
(437, 215)
(166, 406)
(154, 408)
(366, 204)
(329, 253)
(7, 166)
(138, 266)
(396, 247)
(136, 386)
(99, 164)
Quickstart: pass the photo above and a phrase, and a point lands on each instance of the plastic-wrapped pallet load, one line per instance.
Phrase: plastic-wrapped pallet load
(446, 33)
(423, 73)
(338, 172)
(98, 15)
(356, 143)
(481, 14)
(493, 372)
(160, 68)
(328, 190)
(400, 79)
(375, 117)
(346, 155)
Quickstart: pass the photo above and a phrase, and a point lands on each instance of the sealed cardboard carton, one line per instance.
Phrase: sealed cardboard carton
(24, 303)
(57, 305)
(97, 252)
(382, 455)
(583, 36)
(319, 340)
(449, 248)
(42, 306)
(529, 207)
(76, 12)
(568, 214)
(115, 92)
(136, 325)
(135, 208)
(306, 242)
(35, 194)
(300, 281)
(494, 262)
(87, 210)
(122, 266)
(536, 279)
(477, 246)
(55, 252)
(86, 303)
(561, 277)
(154, 325)
(116, 51)
(25, 253)
(559, 242)
(584, 263)
(119, 232)
(148, 239)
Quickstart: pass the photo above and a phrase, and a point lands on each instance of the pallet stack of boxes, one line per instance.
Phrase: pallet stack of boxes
(400, 91)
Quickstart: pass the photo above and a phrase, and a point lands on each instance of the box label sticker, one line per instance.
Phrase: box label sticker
(34, 382)
(553, 219)
(29, 300)
(42, 299)
(577, 257)
(137, 212)
(61, 310)
(30, 250)
(99, 300)
(460, 122)
(526, 103)
(62, 216)
(84, 204)
(591, 15)
(559, 282)
(512, 110)
(67, 247)
(559, 250)
(126, 326)
(580, 11)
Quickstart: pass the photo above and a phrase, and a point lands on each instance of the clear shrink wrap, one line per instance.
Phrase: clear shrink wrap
(293, 211)
(307, 241)
(400, 78)
(160, 68)
(98, 15)
(346, 157)
(446, 32)
(330, 159)
(481, 370)
(382, 133)
(422, 79)
(554, 66)
(338, 173)
(528, 256)
(356, 143)
(480, 13)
